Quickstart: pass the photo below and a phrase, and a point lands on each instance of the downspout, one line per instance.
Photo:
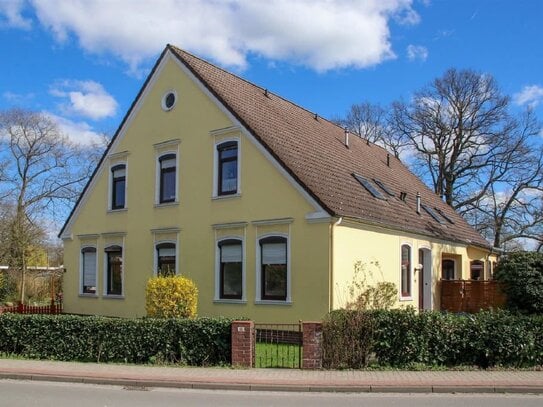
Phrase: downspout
(331, 273)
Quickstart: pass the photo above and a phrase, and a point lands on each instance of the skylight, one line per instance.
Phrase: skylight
(431, 212)
(369, 186)
(444, 215)
(383, 187)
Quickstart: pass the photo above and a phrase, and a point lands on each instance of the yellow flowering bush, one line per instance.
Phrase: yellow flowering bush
(171, 297)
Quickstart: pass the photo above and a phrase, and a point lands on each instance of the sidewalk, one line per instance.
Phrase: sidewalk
(276, 379)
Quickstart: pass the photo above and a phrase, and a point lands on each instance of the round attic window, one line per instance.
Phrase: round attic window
(168, 100)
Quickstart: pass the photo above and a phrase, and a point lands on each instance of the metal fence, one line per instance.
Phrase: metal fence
(278, 345)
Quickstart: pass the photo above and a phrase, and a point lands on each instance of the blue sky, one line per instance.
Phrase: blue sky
(83, 61)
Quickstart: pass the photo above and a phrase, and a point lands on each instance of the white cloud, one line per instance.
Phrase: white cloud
(320, 34)
(415, 52)
(79, 133)
(11, 14)
(86, 98)
(18, 99)
(529, 95)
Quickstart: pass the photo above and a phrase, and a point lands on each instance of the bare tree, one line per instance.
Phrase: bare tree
(372, 123)
(43, 172)
(466, 144)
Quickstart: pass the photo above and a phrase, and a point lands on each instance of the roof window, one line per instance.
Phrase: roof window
(431, 212)
(444, 216)
(383, 187)
(369, 186)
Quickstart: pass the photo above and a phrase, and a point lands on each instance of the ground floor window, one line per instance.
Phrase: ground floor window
(165, 255)
(273, 256)
(406, 271)
(114, 268)
(88, 270)
(230, 269)
(447, 269)
(476, 269)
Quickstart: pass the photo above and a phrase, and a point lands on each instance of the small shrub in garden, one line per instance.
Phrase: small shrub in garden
(171, 297)
(367, 296)
(347, 339)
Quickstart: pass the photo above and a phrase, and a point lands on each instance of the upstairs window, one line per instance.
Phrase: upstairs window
(381, 185)
(406, 271)
(114, 270)
(230, 269)
(273, 258)
(88, 270)
(118, 186)
(369, 186)
(431, 212)
(167, 178)
(165, 259)
(227, 161)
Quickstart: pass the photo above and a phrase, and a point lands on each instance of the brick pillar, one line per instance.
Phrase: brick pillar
(243, 343)
(312, 345)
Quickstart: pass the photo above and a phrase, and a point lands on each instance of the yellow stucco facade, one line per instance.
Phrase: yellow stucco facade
(321, 250)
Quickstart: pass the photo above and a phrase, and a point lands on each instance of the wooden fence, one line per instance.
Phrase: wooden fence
(471, 295)
(54, 308)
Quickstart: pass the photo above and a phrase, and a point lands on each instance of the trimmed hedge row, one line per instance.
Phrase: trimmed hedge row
(404, 338)
(195, 342)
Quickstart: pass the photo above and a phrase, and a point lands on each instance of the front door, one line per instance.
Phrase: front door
(424, 270)
(421, 280)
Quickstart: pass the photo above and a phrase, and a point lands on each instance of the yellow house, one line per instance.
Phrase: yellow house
(265, 205)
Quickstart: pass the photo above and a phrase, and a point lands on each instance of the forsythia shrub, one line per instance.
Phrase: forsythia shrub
(171, 297)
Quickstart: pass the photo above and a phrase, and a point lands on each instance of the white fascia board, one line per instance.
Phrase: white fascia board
(317, 207)
(119, 137)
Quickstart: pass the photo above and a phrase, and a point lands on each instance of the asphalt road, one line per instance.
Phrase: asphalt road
(15, 393)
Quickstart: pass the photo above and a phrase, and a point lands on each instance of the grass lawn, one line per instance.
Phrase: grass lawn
(277, 355)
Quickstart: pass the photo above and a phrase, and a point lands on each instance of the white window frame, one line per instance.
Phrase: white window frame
(157, 177)
(81, 265)
(110, 187)
(105, 294)
(258, 297)
(155, 255)
(216, 167)
(217, 297)
(411, 273)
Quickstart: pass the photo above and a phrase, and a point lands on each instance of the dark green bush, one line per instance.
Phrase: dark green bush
(195, 342)
(405, 338)
(522, 276)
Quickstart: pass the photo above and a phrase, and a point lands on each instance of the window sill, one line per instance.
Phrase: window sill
(229, 196)
(166, 204)
(406, 298)
(228, 301)
(88, 295)
(272, 302)
(113, 297)
(117, 210)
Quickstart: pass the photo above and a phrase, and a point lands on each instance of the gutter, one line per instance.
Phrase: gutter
(331, 266)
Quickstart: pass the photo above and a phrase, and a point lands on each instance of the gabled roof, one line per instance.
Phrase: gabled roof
(312, 150)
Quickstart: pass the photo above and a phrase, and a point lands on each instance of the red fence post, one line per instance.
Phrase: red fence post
(312, 345)
(243, 343)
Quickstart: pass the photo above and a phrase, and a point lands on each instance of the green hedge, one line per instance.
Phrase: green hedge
(195, 342)
(404, 338)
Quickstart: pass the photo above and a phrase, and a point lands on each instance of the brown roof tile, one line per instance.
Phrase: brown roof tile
(313, 151)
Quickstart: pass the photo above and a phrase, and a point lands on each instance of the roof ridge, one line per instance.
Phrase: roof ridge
(180, 50)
